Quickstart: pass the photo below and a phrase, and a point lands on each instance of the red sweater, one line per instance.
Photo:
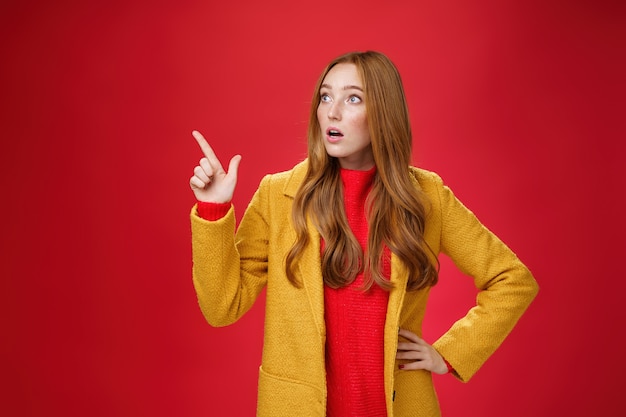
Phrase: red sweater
(355, 322)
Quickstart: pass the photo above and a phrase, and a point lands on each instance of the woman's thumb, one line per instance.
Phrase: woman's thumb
(233, 166)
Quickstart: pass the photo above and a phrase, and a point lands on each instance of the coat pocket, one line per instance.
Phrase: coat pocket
(285, 397)
(415, 394)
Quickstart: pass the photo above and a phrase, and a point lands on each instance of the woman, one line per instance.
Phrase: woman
(346, 245)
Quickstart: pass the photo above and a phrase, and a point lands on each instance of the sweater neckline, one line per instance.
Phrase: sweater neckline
(357, 184)
(348, 175)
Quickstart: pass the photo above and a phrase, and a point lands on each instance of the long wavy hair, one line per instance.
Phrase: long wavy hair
(396, 209)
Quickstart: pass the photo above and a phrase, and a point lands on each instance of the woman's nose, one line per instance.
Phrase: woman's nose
(334, 111)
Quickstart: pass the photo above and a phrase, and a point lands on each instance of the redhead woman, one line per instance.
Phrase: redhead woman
(346, 244)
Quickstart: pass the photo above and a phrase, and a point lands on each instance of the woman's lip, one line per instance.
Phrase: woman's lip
(333, 139)
(331, 128)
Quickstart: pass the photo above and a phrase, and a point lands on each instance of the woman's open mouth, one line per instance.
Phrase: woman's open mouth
(333, 134)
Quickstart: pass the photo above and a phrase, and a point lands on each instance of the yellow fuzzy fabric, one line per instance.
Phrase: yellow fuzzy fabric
(231, 269)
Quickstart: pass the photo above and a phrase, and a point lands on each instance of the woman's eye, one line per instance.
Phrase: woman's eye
(325, 98)
(354, 99)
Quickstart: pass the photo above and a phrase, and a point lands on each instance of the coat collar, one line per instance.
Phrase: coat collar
(297, 176)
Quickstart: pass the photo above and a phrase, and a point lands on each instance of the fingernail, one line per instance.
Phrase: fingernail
(401, 366)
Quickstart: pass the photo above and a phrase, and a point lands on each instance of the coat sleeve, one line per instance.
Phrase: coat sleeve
(505, 287)
(230, 269)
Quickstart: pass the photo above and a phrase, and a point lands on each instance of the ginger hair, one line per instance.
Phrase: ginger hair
(396, 208)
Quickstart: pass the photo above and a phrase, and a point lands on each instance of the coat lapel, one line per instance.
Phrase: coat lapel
(399, 279)
(311, 276)
(310, 263)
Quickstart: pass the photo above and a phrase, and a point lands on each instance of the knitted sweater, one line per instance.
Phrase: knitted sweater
(355, 320)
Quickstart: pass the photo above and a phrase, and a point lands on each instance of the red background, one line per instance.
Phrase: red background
(519, 105)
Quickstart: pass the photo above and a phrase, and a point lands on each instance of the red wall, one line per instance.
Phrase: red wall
(519, 105)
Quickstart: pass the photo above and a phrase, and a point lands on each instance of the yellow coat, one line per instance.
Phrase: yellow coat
(230, 270)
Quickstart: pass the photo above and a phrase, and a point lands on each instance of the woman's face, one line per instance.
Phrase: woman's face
(342, 117)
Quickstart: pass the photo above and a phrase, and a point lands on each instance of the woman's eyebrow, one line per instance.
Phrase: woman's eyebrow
(346, 87)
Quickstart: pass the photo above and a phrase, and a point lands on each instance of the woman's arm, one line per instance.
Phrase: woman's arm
(228, 273)
(506, 287)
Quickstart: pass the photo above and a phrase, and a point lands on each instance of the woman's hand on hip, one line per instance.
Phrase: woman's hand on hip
(210, 183)
(420, 354)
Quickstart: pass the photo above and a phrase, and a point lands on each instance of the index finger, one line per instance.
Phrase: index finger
(410, 336)
(206, 149)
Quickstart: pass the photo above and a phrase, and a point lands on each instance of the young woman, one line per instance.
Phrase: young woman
(346, 244)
